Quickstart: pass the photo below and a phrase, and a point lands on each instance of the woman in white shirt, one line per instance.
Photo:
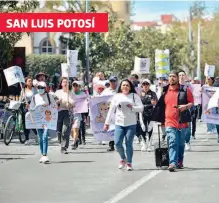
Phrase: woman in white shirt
(42, 99)
(66, 100)
(126, 103)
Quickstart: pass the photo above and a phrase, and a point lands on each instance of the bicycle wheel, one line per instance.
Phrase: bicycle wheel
(21, 133)
(9, 130)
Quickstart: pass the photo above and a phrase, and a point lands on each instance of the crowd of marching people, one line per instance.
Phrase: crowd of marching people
(137, 105)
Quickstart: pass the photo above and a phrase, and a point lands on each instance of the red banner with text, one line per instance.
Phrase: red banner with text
(53, 22)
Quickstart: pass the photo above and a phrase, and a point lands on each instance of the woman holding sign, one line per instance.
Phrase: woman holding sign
(42, 99)
(126, 103)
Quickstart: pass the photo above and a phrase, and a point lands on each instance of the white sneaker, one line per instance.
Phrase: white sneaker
(187, 147)
(144, 147)
(122, 164)
(103, 143)
(149, 149)
(41, 159)
(129, 167)
(28, 142)
(45, 160)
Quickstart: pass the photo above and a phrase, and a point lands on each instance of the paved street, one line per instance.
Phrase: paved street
(90, 174)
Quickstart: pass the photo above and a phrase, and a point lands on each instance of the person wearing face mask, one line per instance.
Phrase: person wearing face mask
(126, 103)
(42, 98)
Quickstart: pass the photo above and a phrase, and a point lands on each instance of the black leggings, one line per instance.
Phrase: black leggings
(27, 131)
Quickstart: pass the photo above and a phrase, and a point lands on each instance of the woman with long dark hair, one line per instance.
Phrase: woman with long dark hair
(27, 94)
(66, 103)
(126, 103)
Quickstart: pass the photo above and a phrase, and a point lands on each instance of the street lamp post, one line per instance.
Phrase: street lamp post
(87, 46)
(199, 52)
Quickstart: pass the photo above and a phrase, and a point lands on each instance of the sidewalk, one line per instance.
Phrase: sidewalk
(90, 174)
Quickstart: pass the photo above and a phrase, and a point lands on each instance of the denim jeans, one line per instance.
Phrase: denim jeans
(43, 140)
(210, 127)
(188, 134)
(176, 144)
(128, 133)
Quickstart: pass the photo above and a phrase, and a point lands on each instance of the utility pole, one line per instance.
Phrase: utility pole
(87, 46)
(199, 52)
(191, 38)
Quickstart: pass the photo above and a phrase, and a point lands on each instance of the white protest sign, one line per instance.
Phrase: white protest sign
(142, 65)
(69, 72)
(209, 105)
(99, 107)
(14, 75)
(209, 70)
(196, 91)
(162, 63)
(72, 56)
(42, 117)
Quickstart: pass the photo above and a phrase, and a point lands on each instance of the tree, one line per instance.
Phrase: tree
(9, 39)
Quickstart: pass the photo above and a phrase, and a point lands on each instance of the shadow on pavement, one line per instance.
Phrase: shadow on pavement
(204, 150)
(68, 162)
(205, 145)
(76, 152)
(17, 154)
(10, 158)
(199, 169)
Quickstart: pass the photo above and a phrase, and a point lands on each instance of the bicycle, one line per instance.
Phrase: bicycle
(14, 124)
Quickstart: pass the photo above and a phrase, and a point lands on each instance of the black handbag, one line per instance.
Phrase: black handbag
(185, 116)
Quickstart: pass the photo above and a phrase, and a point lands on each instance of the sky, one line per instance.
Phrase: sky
(152, 10)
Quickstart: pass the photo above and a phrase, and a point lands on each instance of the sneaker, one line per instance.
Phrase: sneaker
(110, 149)
(149, 149)
(129, 167)
(209, 133)
(163, 138)
(122, 164)
(28, 142)
(193, 137)
(41, 159)
(187, 147)
(180, 165)
(144, 146)
(84, 143)
(103, 143)
(64, 151)
(45, 160)
(171, 168)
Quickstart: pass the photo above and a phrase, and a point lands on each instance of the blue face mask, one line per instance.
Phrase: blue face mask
(41, 91)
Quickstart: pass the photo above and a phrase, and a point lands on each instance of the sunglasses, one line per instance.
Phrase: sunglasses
(40, 87)
(145, 83)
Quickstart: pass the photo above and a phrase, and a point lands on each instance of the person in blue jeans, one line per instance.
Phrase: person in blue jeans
(172, 109)
(42, 99)
(125, 104)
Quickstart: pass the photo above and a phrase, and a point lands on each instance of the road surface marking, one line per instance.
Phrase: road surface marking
(133, 187)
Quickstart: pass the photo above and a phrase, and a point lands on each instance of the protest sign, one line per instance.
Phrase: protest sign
(14, 75)
(72, 56)
(210, 112)
(209, 70)
(142, 65)
(162, 63)
(196, 91)
(99, 107)
(81, 104)
(42, 117)
(69, 70)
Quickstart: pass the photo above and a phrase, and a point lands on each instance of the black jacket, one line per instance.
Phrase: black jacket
(159, 110)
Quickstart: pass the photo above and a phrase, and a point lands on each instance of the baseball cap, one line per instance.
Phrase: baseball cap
(113, 78)
(146, 81)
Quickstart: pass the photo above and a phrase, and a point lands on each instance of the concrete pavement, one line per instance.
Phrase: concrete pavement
(90, 174)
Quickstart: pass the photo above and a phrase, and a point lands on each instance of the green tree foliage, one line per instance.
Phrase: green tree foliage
(9, 39)
(44, 63)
